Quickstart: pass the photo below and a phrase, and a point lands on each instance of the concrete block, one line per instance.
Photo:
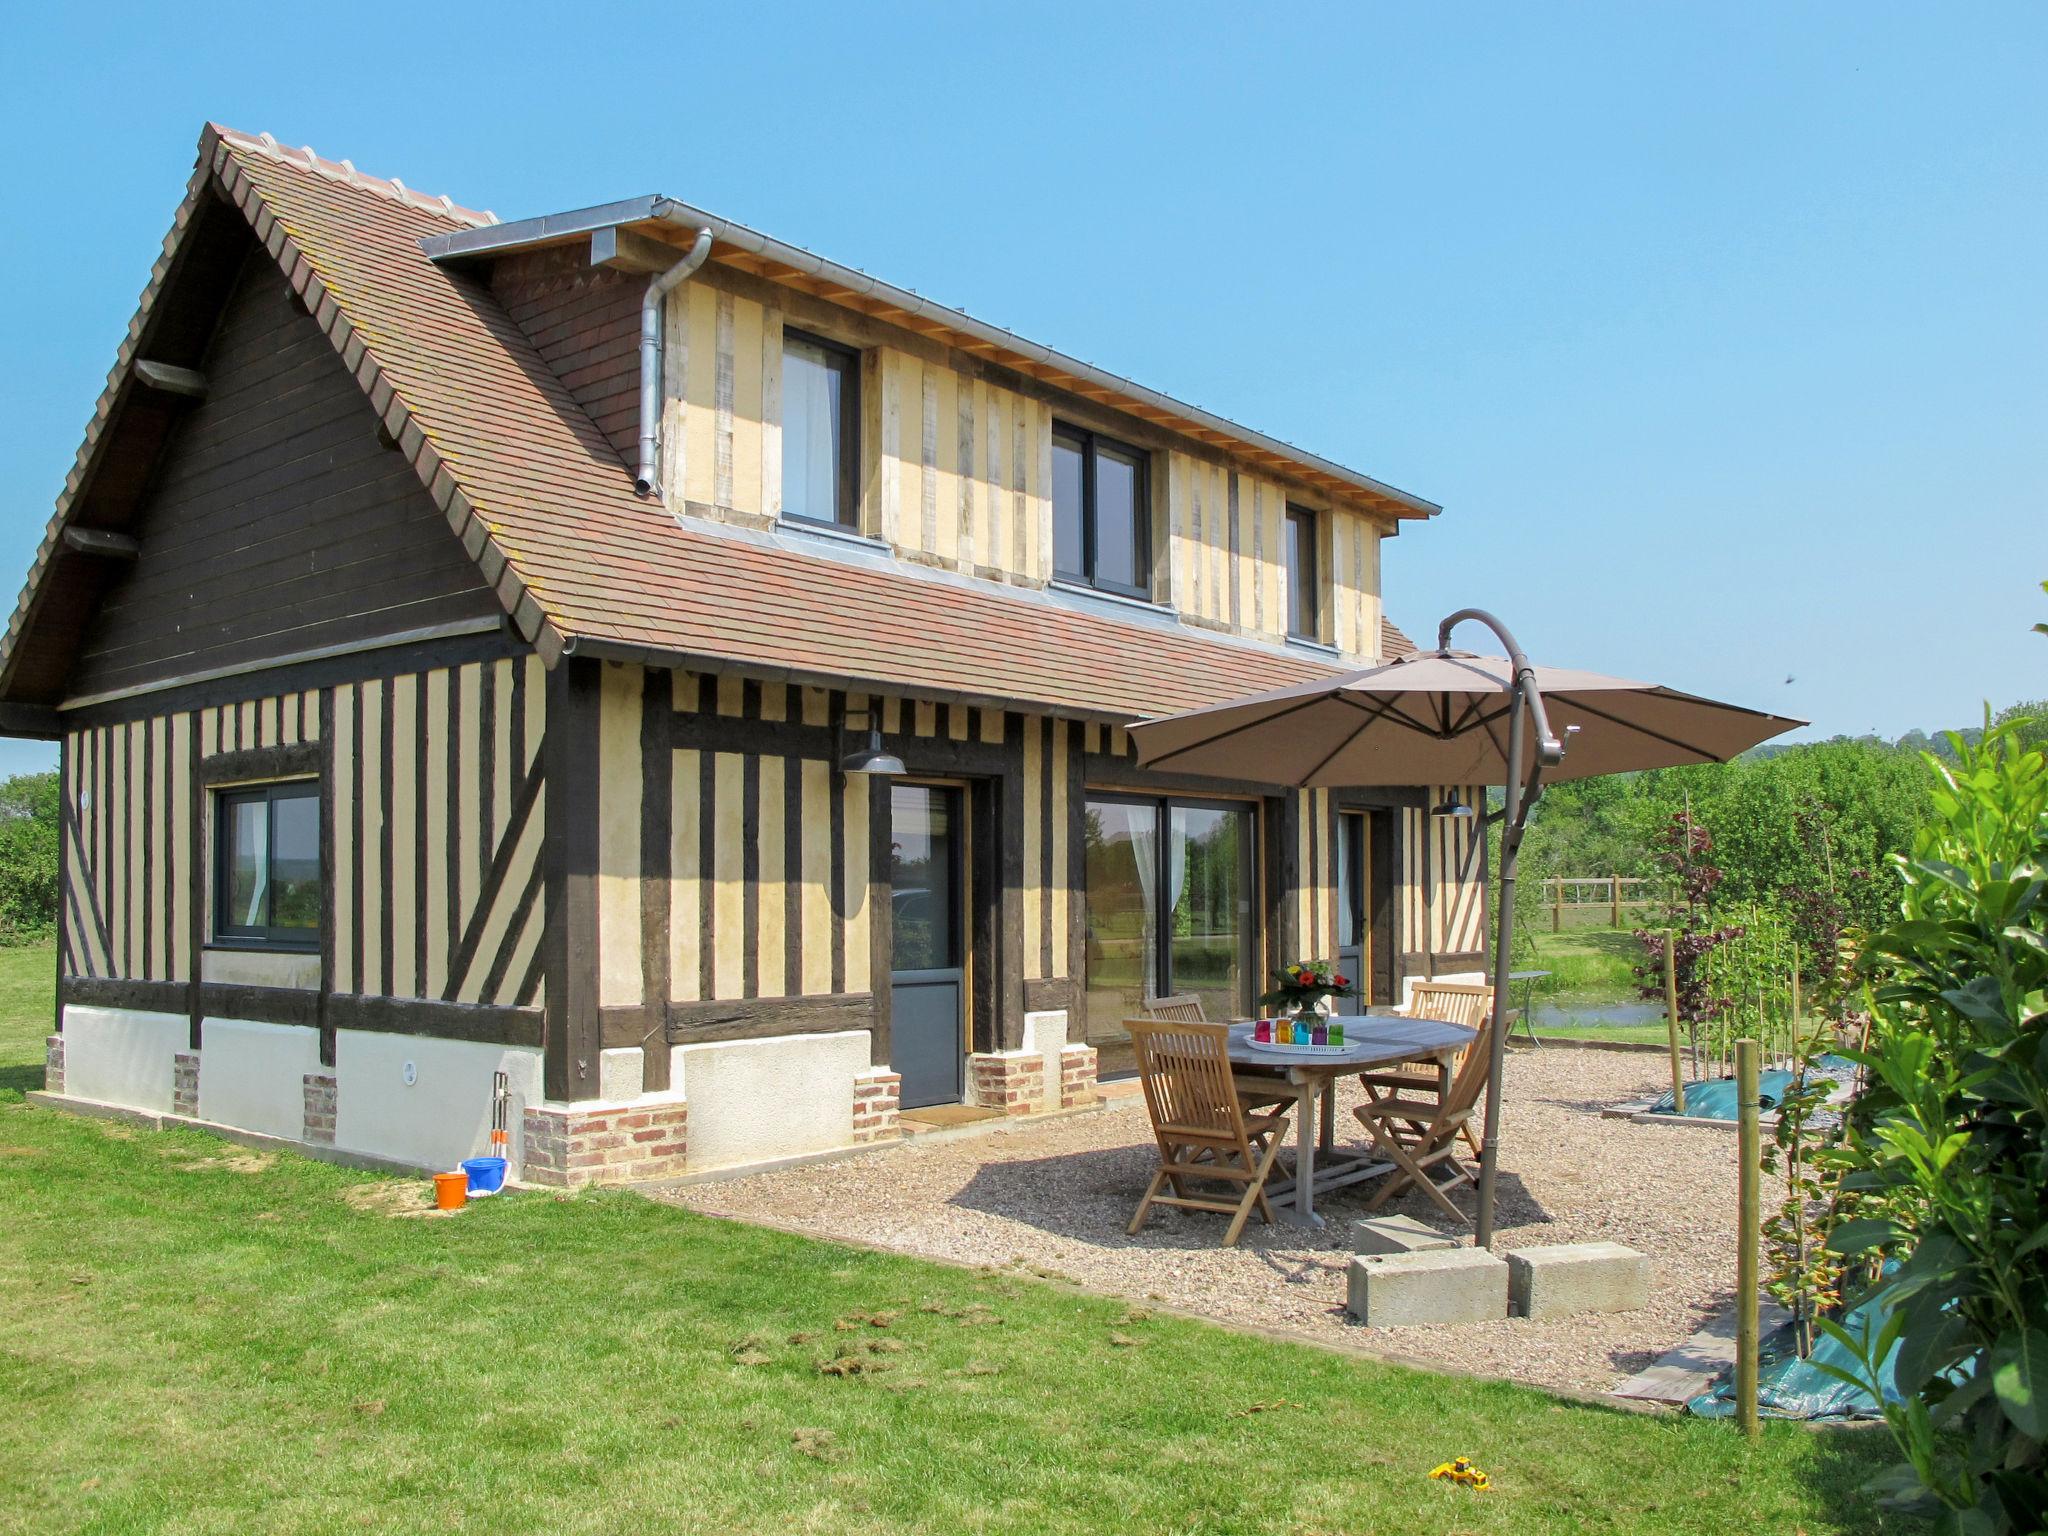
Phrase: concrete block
(619, 1073)
(1451, 1285)
(1397, 1234)
(1567, 1279)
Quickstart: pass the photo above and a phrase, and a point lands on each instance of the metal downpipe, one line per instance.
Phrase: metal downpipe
(652, 307)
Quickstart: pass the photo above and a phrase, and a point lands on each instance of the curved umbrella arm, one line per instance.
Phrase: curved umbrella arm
(1548, 747)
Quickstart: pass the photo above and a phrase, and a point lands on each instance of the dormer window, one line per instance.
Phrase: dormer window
(1303, 618)
(820, 430)
(1101, 513)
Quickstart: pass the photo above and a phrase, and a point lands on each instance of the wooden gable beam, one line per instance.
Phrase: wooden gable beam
(99, 541)
(169, 378)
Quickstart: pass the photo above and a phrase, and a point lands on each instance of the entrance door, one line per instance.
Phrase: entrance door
(928, 969)
(1354, 931)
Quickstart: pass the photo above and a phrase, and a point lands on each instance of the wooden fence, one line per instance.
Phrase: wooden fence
(1589, 897)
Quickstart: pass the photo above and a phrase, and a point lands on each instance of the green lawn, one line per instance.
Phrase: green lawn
(196, 1338)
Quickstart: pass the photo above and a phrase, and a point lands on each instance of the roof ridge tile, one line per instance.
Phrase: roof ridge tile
(306, 158)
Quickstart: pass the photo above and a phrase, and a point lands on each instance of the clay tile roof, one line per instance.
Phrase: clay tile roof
(545, 506)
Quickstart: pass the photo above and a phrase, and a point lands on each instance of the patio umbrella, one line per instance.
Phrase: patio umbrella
(1452, 717)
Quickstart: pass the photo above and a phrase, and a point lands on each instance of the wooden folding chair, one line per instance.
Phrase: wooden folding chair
(1203, 1132)
(1419, 1134)
(1255, 1089)
(1448, 1002)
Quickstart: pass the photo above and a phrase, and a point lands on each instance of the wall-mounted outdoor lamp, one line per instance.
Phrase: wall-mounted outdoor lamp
(871, 760)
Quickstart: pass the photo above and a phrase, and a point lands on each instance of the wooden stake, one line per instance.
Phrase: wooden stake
(1614, 894)
(1798, 1041)
(1671, 1016)
(1557, 905)
(1748, 1234)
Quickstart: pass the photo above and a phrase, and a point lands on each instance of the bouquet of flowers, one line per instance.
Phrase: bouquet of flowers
(1301, 987)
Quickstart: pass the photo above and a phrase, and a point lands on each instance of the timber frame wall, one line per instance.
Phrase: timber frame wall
(606, 855)
(726, 882)
(432, 801)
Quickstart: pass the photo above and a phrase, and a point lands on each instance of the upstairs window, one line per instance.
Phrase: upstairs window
(820, 434)
(1101, 513)
(1303, 620)
(266, 876)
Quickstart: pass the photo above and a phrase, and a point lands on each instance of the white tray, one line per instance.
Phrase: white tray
(1296, 1050)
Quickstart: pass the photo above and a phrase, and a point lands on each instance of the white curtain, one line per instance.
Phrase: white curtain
(1143, 821)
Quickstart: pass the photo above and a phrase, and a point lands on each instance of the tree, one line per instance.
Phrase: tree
(28, 858)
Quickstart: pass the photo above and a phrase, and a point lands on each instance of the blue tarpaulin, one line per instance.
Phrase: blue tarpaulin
(1716, 1100)
(1788, 1387)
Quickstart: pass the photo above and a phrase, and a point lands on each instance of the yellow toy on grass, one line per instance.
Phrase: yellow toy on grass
(1462, 1471)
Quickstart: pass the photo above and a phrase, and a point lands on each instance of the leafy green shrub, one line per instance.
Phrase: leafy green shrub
(1949, 1159)
(28, 858)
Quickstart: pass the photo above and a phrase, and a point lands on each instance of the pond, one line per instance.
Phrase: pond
(1595, 1016)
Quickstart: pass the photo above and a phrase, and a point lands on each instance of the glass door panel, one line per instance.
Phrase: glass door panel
(1209, 888)
(1122, 840)
(1354, 952)
(927, 979)
(1171, 890)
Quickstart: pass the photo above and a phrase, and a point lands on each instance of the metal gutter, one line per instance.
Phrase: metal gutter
(458, 245)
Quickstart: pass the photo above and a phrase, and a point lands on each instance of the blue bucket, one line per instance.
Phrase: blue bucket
(486, 1175)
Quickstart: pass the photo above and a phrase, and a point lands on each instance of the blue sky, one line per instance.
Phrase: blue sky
(1719, 331)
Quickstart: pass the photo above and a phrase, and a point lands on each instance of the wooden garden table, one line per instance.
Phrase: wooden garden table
(1374, 1040)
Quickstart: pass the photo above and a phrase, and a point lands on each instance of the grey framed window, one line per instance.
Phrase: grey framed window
(820, 430)
(266, 865)
(1101, 513)
(1303, 587)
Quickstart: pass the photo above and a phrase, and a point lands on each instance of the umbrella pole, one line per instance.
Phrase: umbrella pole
(1526, 708)
(1516, 815)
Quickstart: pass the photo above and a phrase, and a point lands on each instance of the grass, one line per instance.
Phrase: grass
(197, 1338)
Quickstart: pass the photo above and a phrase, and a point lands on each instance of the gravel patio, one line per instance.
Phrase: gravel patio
(1052, 1198)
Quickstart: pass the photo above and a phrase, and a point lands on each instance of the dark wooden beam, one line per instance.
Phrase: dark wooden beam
(170, 379)
(752, 1018)
(100, 541)
(38, 722)
(569, 850)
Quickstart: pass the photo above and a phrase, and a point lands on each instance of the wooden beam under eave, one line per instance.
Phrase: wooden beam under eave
(627, 250)
(169, 378)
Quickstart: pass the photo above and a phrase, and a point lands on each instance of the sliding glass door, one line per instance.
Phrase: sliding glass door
(1172, 893)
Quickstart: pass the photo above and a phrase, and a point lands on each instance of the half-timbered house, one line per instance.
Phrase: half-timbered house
(626, 653)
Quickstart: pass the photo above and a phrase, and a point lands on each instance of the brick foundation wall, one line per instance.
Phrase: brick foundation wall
(877, 1098)
(185, 1084)
(319, 1112)
(567, 1147)
(1078, 1079)
(1015, 1084)
(53, 1064)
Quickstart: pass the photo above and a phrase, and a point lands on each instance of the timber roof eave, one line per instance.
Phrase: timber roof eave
(764, 256)
(91, 449)
(214, 176)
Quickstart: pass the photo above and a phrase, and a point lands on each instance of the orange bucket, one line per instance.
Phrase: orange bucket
(451, 1191)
